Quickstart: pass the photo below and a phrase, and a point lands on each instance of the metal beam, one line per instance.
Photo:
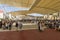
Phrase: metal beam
(35, 3)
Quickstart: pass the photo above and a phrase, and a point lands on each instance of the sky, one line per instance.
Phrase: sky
(8, 8)
(35, 14)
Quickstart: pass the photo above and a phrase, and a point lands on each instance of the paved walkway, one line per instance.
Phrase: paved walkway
(48, 34)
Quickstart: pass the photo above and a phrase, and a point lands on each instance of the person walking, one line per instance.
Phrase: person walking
(41, 26)
(20, 25)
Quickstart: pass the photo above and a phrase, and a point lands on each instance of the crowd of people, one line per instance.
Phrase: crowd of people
(8, 24)
(52, 24)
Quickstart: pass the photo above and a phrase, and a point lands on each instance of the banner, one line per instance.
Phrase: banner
(1, 14)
